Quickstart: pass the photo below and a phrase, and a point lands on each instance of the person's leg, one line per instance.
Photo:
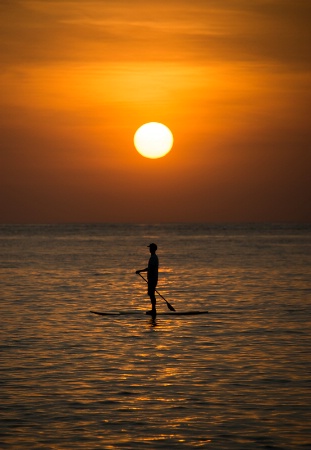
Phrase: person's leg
(151, 293)
(153, 301)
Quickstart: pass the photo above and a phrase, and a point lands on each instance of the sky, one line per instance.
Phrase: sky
(230, 78)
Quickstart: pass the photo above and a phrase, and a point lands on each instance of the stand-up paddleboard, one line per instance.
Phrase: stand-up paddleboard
(171, 314)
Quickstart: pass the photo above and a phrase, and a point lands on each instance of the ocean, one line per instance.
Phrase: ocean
(236, 378)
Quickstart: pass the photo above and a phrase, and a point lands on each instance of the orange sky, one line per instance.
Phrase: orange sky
(231, 79)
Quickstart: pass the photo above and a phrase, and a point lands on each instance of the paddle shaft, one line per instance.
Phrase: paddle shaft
(167, 303)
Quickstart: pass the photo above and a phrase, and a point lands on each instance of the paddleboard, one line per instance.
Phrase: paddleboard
(126, 313)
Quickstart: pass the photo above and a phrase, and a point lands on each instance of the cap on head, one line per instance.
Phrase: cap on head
(153, 246)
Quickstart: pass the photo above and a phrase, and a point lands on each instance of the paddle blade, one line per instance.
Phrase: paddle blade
(170, 307)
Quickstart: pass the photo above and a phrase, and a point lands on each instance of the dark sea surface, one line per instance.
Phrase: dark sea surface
(237, 378)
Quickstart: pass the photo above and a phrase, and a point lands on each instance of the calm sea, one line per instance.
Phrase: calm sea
(237, 378)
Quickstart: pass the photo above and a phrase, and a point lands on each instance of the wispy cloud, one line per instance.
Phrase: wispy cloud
(276, 31)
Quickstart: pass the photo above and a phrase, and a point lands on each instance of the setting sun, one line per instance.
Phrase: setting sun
(153, 140)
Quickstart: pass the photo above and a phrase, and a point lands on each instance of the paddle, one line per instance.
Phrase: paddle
(170, 307)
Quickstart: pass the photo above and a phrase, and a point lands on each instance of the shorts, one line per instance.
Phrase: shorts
(151, 289)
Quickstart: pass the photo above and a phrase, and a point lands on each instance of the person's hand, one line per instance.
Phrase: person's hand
(137, 272)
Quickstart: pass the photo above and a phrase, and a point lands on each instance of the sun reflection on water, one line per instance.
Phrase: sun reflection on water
(236, 378)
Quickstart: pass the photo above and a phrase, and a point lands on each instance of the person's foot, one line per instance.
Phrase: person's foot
(152, 313)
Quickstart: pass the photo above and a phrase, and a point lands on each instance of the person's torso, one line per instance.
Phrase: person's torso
(153, 266)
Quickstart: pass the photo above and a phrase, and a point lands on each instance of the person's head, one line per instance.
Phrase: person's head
(153, 247)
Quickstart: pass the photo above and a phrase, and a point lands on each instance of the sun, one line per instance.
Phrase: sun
(153, 140)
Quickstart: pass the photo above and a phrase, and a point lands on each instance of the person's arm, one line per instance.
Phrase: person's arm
(142, 270)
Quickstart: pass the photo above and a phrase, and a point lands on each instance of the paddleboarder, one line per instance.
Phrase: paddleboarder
(152, 276)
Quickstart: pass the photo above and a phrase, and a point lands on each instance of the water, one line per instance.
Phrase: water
(237, 378)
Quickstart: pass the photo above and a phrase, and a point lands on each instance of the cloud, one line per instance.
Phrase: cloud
(272, 31)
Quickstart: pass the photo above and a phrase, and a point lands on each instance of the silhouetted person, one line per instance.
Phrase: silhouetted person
(152, 276)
